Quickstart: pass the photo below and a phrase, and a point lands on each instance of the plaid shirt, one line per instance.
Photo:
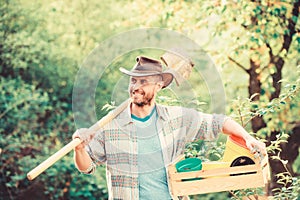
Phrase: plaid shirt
(116, 144)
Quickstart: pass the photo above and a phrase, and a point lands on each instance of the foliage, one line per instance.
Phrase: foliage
(247, 194)
(206, 151)
(17, 133)
(91, 187)
(244, 110)
(290, 184)
(290, 187)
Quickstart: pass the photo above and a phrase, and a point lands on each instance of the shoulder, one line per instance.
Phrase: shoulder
(172, 111)
(115, 121)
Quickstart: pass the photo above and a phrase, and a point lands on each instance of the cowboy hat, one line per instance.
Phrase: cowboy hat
(148, 67)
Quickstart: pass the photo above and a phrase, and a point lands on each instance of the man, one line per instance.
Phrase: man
(142, 140)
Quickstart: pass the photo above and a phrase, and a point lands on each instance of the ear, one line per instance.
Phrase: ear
(160, 85)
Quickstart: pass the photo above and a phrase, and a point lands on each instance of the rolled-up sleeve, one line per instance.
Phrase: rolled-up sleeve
(205, 126)
(218, 121)
(96, 148)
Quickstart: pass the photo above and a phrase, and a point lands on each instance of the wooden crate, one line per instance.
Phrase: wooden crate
(217, 177)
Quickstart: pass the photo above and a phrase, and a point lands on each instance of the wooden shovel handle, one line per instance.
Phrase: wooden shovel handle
(52, 159)
(71, 145)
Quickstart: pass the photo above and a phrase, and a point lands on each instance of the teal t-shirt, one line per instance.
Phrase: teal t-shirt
(152, 172)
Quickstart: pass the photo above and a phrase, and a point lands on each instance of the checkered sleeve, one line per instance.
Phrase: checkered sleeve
(218, 121)
(96, 148)
(208, 125)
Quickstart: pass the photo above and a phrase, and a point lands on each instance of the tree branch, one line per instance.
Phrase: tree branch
(287, 37)
(238, 64)
(271, 55)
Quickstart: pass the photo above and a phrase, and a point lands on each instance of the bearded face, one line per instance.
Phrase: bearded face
(142, 90)
(140, 97)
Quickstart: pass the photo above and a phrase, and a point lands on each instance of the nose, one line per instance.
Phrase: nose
(136, 86)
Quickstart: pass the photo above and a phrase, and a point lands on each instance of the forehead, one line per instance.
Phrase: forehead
(144, 77)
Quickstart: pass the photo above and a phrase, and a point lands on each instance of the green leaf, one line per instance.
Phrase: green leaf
(294, 19)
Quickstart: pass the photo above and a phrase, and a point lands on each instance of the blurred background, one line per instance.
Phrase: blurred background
(254, 45)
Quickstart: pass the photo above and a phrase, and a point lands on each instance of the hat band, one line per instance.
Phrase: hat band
(146, 72)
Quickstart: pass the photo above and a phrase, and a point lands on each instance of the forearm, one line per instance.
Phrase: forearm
(230, 127)
(82, 159)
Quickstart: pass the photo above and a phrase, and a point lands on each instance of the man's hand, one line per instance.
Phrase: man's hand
(85, 135)
(256, 147)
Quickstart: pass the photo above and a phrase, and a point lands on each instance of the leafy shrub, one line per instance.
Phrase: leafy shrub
(22, 106)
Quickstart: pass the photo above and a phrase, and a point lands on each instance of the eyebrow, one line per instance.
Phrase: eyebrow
(139, 79)
(148, 78)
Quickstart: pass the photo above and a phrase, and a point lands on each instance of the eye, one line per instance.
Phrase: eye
(133, 81)
(143, 81)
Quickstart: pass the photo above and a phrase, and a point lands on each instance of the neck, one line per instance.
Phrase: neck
(143, 111)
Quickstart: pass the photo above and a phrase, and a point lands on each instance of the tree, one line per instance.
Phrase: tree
(261, 38)
(266, 34)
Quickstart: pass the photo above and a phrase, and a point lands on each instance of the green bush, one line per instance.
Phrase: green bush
(22, 107)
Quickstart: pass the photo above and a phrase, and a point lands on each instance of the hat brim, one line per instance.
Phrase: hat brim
(166, 76)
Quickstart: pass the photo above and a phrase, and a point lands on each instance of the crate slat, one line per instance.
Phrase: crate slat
(217, 184)
(213, 172)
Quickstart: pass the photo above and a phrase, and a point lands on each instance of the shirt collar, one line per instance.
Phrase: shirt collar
(161, 112)
(125, 116)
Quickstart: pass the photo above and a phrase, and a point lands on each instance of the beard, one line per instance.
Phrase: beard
(140, 98)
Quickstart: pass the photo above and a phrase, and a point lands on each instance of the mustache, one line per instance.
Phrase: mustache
(139, 91)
